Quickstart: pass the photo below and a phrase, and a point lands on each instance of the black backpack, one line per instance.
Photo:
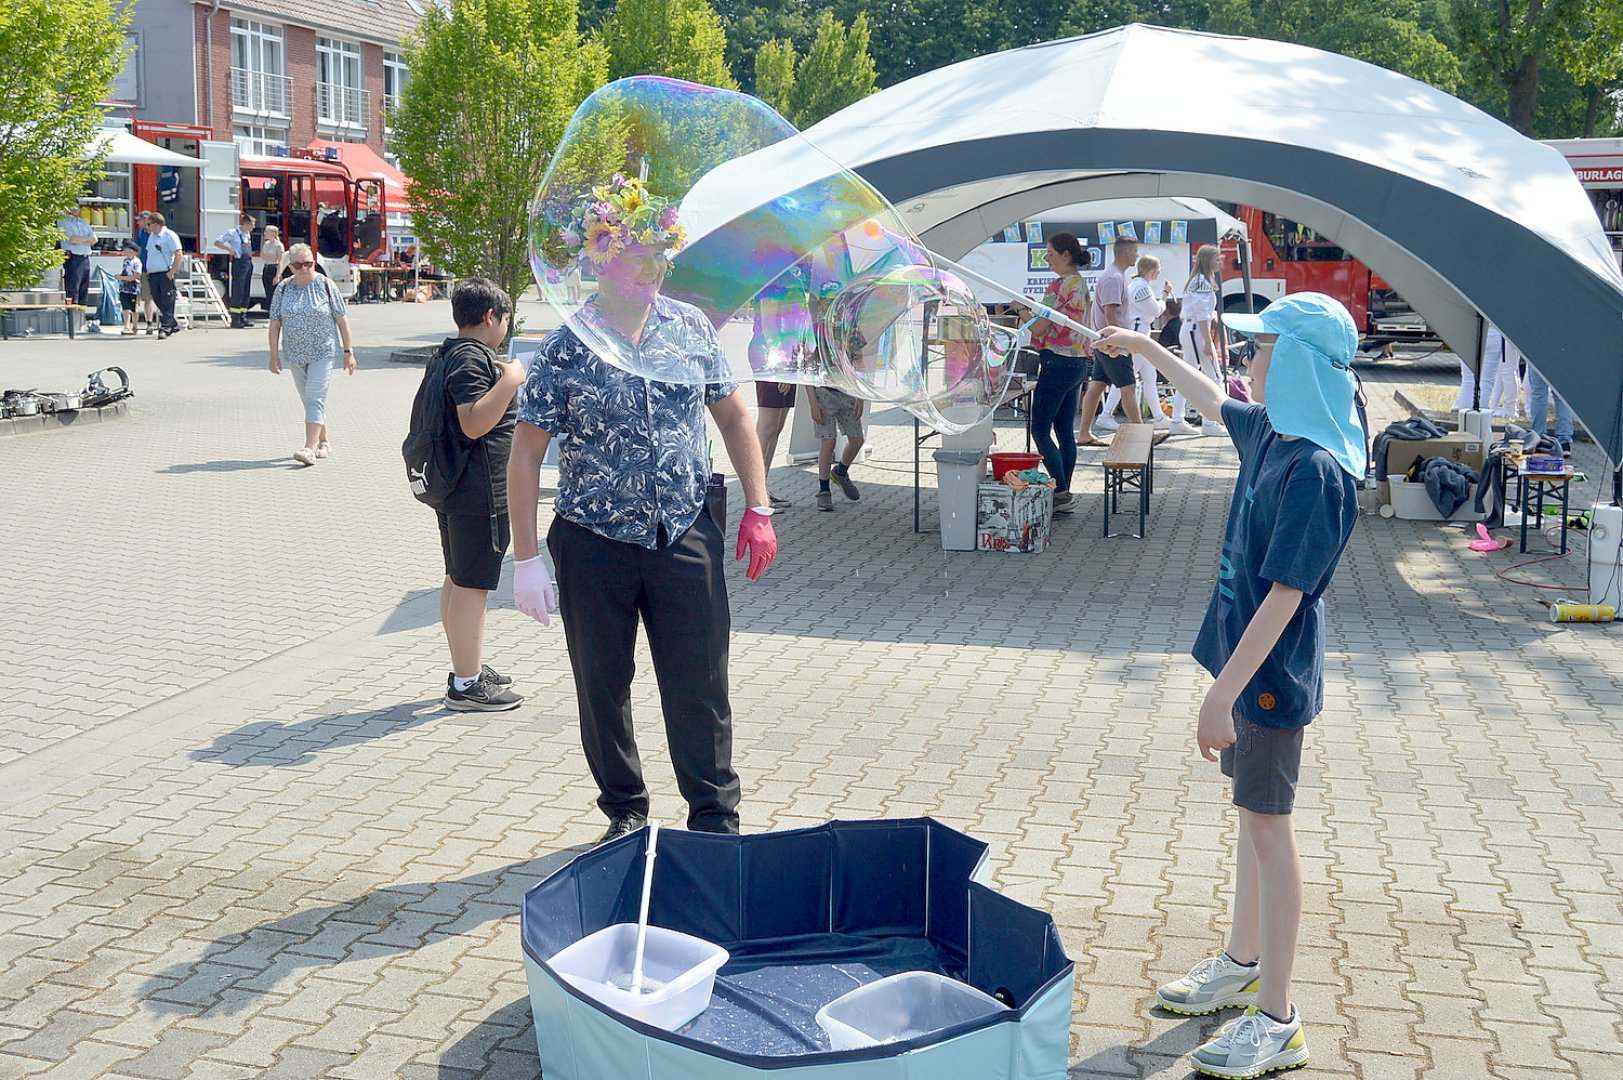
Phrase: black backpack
(435, 456)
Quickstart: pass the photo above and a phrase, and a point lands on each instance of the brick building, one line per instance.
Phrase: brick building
(270, 73)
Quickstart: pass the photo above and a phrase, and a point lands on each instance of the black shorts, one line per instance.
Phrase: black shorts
(774, 395)
(1115, 370)
(127, 300)
(474, 549)
(1264, 763)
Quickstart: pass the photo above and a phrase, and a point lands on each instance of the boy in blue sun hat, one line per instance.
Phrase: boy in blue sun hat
(1301, 451)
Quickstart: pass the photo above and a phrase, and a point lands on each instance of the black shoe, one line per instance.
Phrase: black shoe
(622, 824)
(483, 696)
(495, 676)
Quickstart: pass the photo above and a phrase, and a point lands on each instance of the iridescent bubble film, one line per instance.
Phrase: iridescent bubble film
(671, 208)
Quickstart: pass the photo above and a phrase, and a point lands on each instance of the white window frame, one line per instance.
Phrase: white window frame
(260, 51)
(341, 97)
(258, 140)
(395, 76)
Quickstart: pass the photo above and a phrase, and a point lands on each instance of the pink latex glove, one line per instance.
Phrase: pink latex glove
(755, 533)
(533, 592)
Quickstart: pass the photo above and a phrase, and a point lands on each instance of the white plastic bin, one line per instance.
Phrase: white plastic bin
(958, 475)
(901, 1007)
(684, 967)
(1410, 502)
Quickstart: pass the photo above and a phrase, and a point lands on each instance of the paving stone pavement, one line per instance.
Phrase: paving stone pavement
(239, 837)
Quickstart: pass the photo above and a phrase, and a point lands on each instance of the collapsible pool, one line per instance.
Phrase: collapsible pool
(806, 916)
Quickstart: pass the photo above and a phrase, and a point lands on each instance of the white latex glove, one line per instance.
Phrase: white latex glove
(533, 592)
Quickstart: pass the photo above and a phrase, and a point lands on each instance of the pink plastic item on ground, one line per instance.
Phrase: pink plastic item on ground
(1484, 542)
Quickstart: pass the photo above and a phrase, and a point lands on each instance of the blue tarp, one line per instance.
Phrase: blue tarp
(806, 916)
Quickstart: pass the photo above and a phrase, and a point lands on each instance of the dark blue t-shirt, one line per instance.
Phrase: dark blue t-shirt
(1293, 511)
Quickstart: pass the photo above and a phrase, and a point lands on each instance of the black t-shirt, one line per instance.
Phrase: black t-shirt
(470, 372)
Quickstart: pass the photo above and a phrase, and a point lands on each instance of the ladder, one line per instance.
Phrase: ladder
(197, 294)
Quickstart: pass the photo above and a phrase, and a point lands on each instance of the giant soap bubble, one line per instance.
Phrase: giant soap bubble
(665, 193)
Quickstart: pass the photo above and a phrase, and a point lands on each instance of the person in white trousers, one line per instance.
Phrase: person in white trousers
(1146, 299)
(1501, 385)
(1198, 337)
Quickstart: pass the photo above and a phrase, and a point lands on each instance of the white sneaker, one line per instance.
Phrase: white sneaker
(1105, 423)
(304, 456)
(1213, 428)
(1252, 1046)
(1217, 982)
(1162, 422)
(1182, 427)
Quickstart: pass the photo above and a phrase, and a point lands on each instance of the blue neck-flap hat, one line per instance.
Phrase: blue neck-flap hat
(1311, 391)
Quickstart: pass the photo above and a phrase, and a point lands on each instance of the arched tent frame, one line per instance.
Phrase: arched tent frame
(1459, 212)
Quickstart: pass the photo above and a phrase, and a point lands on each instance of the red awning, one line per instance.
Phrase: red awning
(364, 162)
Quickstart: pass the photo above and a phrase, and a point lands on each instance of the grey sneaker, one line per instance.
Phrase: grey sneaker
(495, 676)
(825, 500)
(1252, 1046)
(843, 478)
(483, 696)
(778, 502)
(1217, 982)
(1064, 502)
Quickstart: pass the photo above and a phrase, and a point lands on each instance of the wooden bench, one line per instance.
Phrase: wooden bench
(1130, 466)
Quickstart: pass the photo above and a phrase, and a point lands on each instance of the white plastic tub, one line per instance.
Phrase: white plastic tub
(901, 1007)
(1411, 503)
(683, 968)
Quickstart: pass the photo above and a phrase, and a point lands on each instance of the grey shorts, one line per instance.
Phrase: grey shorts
(1115, 370)
(1264, 763)
(839, 415)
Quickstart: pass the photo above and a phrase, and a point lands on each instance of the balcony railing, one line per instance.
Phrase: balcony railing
(342, 106)
(261, 92)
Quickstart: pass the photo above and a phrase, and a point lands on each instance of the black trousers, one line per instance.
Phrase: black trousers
(678, 593)
(162, 287)
(267, 278)
(242, 287)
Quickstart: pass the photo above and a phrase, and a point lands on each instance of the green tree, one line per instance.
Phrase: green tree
(58, 60)
(1511, 49)
(1388, 33)
(836, 71)
(750, 24)
(493, 86)
(775, 74)
(679, 38)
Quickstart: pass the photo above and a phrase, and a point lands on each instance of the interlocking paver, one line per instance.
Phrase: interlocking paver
(243, 841)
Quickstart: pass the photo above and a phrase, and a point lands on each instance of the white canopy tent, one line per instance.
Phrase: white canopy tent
(1457, 211)
(126, 149)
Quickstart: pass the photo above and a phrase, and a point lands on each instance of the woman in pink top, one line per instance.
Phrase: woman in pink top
(1064, 365)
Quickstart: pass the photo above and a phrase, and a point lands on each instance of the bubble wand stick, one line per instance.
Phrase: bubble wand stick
(1041, 309)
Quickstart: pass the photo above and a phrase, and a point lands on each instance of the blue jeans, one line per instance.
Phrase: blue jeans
(1053, 413)
(1538, 408)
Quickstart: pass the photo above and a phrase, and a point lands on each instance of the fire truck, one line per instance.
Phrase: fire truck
(313, 198)
(310, 195)
(1288, 257)
(1598, 164)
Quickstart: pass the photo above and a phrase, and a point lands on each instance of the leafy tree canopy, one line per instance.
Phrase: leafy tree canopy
(494, 84)
(58, 60)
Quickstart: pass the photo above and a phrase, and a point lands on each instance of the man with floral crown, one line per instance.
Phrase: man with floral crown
(631, 537)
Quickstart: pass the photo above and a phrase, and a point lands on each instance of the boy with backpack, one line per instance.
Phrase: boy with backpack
(1301, 449)
(456, 462)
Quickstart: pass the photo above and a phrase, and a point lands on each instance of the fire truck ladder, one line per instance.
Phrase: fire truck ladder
(197, 294)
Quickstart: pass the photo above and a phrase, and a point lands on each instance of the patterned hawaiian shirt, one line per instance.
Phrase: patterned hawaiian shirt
(631, 451)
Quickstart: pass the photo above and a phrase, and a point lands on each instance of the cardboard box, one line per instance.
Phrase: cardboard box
(1465, 448)
(1013, 521)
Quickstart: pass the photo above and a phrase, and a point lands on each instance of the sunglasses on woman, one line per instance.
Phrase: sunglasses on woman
(301, 265)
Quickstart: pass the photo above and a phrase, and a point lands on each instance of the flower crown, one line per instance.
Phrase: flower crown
(623, 212)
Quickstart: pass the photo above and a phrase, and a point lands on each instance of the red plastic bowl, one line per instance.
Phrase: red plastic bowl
(1012, 462)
